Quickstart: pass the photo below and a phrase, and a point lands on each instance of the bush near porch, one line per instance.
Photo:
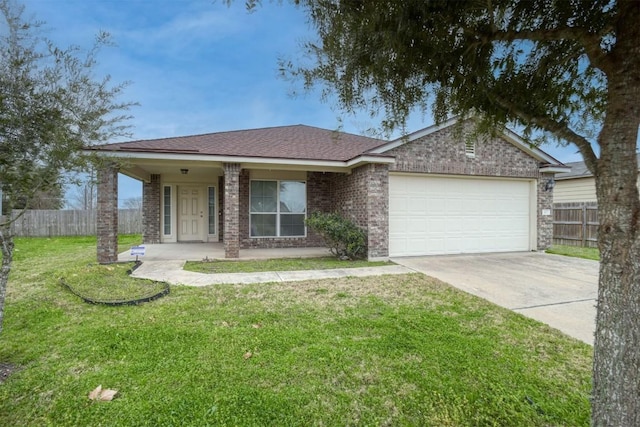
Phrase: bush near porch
(390, 350)
(341, 235)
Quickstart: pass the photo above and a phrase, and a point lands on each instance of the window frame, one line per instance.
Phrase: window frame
(167, 217)
(212, 211)
(278, 213)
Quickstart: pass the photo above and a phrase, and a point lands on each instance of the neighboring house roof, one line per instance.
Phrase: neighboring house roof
(283, 142)
(580, 170)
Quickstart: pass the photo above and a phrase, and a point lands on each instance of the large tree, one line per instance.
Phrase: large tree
(565, 68)
(51, 106)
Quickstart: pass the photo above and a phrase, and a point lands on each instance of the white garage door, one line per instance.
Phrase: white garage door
(441, 215)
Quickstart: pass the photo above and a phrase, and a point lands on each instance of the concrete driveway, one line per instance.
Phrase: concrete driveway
(557, 290)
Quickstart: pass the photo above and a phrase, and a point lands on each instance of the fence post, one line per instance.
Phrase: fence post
(584, 225)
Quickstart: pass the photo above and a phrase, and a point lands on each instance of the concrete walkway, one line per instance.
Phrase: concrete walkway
(557, 290)
(211, 251)
(172, 273)
(165, 262)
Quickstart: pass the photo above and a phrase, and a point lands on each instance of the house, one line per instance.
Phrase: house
(431, 192)
(577, 185)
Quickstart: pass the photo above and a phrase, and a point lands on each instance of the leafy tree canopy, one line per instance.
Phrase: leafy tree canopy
(541, 65)
(51, 105)
(570, 69)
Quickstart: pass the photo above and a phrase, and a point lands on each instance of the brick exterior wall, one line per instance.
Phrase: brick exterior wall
(221, 208)
(151, 202)
(245, 182)
(363, 197)
(319, 197)
(545, 222)
(378, 211)
(443, 152)
(231, 210)
(107, 215)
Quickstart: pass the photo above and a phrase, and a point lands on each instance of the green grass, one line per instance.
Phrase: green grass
(281, 264)
(391, 350)
(575, 251)
(109, 283)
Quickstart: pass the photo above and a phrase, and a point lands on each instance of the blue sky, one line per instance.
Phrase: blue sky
(199, 66)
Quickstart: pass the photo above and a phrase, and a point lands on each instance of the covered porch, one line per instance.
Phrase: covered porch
(241, 191)
(213, 251)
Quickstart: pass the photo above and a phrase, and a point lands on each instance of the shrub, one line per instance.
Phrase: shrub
(343, 238)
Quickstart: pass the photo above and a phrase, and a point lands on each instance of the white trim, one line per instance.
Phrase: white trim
(533, 215)
(356, 161)
(447, 175)
(555, 169)
(215, 237)
(413, 136)
(516, 140)
(136, 172)
(168, 238)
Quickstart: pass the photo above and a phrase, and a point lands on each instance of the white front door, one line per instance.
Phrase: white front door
(191, 214)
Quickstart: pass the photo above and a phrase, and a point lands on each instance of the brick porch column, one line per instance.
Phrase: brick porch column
(107, 214)
(545, 212)
(151, 210)
(231, 216)
(378, 212)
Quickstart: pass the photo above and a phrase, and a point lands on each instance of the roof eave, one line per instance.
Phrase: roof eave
(317, 164)
(554, 169)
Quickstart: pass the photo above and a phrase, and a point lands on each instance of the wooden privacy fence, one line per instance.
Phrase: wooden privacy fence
(575, 224)
(49, 223)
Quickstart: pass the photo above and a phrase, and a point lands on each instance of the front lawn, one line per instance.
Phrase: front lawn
(575, 251)
(390, 350)
(280, 264)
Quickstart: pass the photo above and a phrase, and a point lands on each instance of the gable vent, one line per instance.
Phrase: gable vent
(470, 148)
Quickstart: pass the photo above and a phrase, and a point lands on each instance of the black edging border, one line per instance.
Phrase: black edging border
(137, 301)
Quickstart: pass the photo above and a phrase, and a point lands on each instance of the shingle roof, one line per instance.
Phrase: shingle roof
(580, 170)
(284, 142)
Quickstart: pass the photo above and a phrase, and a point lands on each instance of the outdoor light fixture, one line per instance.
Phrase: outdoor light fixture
(184, 171)
(549, 185)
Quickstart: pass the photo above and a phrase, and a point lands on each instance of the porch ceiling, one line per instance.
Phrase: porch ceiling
(198, 170)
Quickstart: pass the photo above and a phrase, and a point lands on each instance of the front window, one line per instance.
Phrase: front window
(278, 208)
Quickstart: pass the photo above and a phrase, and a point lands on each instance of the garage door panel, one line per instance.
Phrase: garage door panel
(436, 215)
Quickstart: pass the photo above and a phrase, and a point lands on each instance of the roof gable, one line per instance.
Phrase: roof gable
(507, 135)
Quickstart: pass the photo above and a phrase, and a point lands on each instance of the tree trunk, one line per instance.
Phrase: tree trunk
(6, 246)
(616, 364)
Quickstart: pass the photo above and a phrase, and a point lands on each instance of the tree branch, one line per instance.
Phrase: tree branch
(559, 129)
(589, 41)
